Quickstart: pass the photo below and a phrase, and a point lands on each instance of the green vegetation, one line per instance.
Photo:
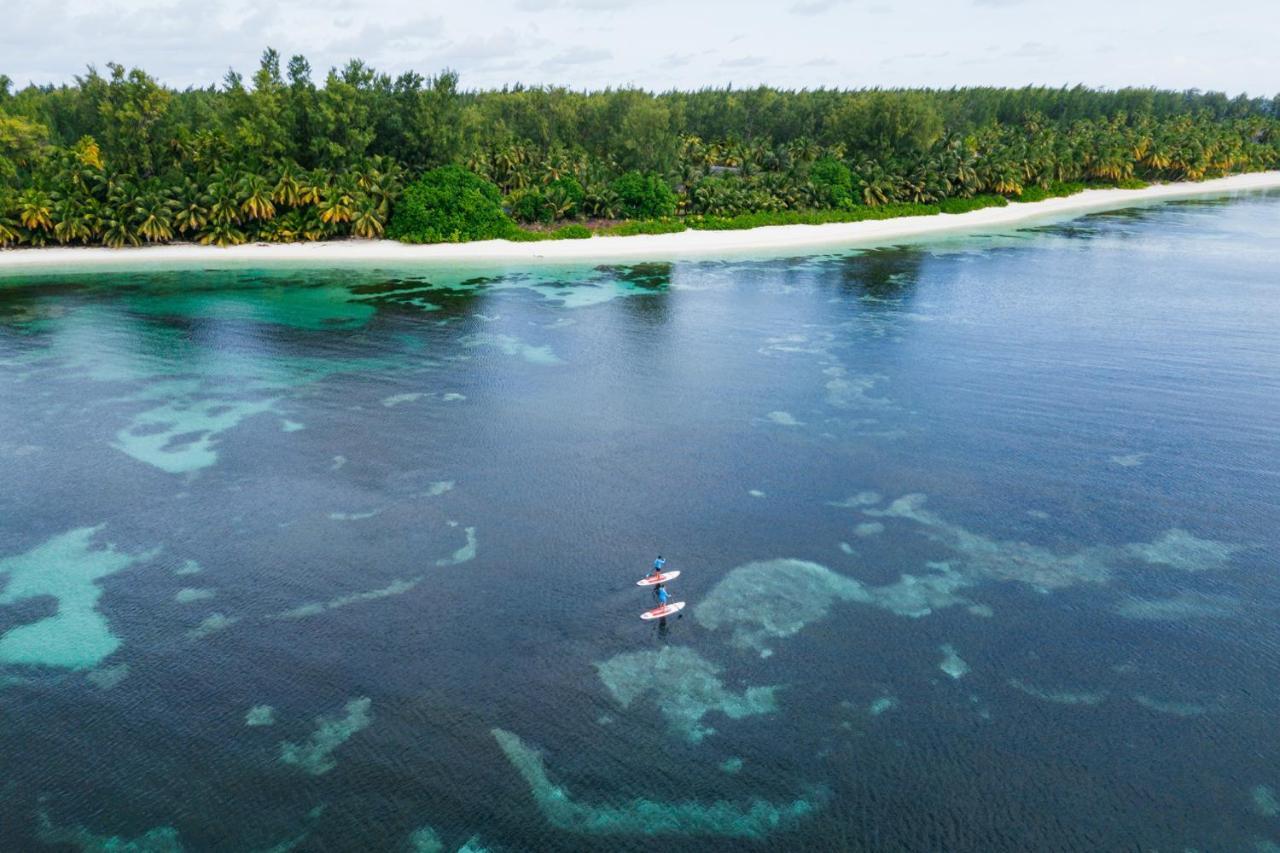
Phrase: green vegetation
(1055, 189)
(644, 226)
(450, 205)
(643, 196)
(964, 205)
(810, 217)
(118, 159)
(564, 232)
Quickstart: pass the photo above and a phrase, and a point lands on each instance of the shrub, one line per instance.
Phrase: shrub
(964, 205)
(834, 180)
(524, 235)
(529, 205)
(809, 217)
(449, 205)
(644, 196)
(564, 196)
(567, 232)
(1056, 189)
(571, 232)
(645, 226)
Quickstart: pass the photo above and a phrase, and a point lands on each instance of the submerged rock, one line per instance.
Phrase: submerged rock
(1130, 460)
(777, 598)
(1185, 552)
(1184, 605)
(211, 625)
(861, 499)
(685, 686)
(731, 765)
(1265, 801)
(109, 676)
(181, 436)
(981, 557)
(513, 346)
(464, 554)
(67, 567)
(784, 419)
(316, 755)
(425, 840)
(162, 839)
(260, 715)
(396, 587)
(1174, 707)
(952, 664)
(853, 391)
(397, 399)
(1062, 697)
(774, 599)
(643, 816)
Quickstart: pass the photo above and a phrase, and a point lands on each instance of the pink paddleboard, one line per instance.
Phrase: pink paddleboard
(656, 579)
(665, 610)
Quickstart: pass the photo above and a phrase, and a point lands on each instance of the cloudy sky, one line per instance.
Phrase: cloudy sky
(1230, 45)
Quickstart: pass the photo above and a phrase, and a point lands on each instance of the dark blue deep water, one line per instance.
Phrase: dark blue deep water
(978, 539)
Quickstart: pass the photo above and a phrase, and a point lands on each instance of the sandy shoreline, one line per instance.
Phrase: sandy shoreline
(686, 244)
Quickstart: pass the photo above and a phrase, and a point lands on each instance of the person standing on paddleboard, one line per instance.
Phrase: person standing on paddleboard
(661, 593)
(657, 573)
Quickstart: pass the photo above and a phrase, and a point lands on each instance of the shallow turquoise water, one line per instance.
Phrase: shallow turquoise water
(978, 539)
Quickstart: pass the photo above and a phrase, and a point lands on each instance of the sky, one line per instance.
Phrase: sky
(1230, 45)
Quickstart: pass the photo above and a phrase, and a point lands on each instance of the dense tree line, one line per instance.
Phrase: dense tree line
(119, 159)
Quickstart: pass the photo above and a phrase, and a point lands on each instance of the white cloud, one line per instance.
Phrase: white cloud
(792, 44)
(577, 56)
(814, 7)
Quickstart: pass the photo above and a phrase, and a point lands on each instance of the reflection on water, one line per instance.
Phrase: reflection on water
(977, 539)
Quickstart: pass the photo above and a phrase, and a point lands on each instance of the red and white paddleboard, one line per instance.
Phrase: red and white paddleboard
(650, 580)
(663, 611)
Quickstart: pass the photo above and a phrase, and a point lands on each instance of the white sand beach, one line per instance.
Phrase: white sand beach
(778, 239)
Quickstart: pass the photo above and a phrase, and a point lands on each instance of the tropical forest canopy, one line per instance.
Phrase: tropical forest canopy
(120, 159)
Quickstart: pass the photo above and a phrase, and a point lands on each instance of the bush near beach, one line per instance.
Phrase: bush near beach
(449, 205)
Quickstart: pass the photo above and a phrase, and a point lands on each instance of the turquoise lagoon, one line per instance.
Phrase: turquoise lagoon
(979, 539)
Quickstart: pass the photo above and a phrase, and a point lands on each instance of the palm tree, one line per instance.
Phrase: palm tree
(311, 188)
(336, 206)
(35, 210)
(478, 161)
(222, 234)
(288, 188)
(312, 226)
(876, 186)
(257, 197)
(76, 222)
(190, 215)
(10, 231)
(223, 203)
(367, 223)
(154, 218)
(116, 230)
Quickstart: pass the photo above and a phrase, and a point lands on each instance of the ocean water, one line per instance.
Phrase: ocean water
(978, 539)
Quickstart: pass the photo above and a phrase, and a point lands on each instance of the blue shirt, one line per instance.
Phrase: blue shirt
(659, 563)
(662, 596)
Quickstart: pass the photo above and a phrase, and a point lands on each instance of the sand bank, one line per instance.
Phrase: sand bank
(770, 240)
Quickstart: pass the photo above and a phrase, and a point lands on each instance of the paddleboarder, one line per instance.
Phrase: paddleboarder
(657, 573)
